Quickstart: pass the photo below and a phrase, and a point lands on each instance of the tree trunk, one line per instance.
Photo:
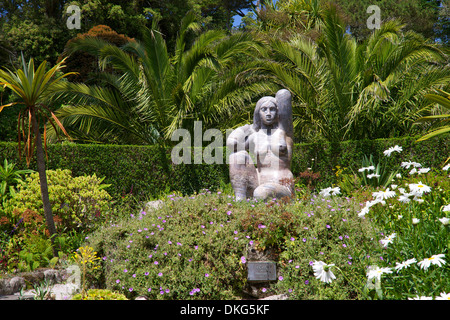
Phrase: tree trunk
(43, 182)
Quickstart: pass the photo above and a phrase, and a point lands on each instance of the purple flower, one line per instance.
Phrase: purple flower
(156, 262)
(328, 226)
(280, 278)
(117, 281)
(160, 274)
(243, 259)
(206, 275)
(131, 289)
(125, 270)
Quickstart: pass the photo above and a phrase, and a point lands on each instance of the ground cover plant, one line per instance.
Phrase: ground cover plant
(371, 244)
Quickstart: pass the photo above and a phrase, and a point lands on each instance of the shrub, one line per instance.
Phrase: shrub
(170, 253)
(84, 63)
(79, 203)
(196, 247)
(100, 294)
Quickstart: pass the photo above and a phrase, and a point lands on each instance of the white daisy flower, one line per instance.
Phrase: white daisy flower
(388, 240)
(405, 264)
(384, 194)
(408, 164)
(325, 192)
(446, 167)
(444, 221)
(419, 188)
(434, 259)
(335, 191)
(376, 272)
(363, 212)
(404, 198)
(322, 271)
(446, 208)
(421, 298)
(443, 296)
(392, 149)
(423, 170)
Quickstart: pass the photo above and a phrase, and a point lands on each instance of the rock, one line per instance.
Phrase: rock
(154, 205)
(276, 297)
(52, 276)
(10, 286)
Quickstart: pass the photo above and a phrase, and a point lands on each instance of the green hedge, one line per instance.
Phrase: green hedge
(349, 154)
(147, 171)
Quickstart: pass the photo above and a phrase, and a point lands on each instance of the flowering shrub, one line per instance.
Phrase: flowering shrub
(196, 247)
(190, 248)
(100, 294)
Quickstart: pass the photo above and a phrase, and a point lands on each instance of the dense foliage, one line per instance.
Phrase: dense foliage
(370, 217)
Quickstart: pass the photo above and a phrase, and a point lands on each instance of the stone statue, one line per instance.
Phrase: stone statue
(268, 142)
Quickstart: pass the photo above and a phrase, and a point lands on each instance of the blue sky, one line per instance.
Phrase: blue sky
(237, 19)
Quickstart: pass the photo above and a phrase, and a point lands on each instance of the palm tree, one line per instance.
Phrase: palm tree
(440, 120)
(32, 87)
(348, 90)
(151, 94)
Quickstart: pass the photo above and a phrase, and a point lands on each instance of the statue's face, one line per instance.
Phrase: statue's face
(268, 113)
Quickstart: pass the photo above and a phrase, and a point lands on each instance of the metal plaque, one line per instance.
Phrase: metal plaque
(262, 271)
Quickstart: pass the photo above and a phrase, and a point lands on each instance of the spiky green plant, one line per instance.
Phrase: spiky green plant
(152, 93)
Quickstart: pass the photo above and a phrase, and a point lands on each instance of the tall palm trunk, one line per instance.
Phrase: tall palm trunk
(43, 181)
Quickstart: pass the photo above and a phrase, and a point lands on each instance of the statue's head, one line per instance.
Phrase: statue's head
(266, 112)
